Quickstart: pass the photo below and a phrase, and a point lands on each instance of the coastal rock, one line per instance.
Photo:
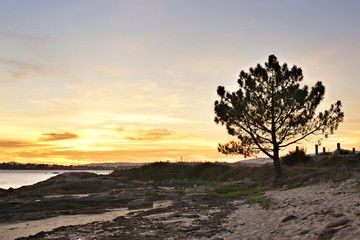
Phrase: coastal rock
(197, 197)
(338, 222)
(240, 184)
(169, 196)
(140, 203)
(138, 183)
(103, 189)
(348, 233)
(289, 218)
(129, 194)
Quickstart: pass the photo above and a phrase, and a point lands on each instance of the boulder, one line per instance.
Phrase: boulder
(129, 194)
(169, 196)
(140, 203)
(240, 184)
(198, 197)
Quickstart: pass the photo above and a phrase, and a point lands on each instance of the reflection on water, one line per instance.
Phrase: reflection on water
(19, 178)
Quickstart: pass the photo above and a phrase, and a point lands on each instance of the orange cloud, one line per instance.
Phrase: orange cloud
(126, 155)
(150, 134)
(57, 136)
(16, 144)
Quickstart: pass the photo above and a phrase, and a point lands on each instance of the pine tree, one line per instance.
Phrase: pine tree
(271, 111)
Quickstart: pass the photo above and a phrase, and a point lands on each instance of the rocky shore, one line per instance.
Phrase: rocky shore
(90, 206)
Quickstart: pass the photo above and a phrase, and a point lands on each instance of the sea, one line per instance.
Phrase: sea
(18, 178)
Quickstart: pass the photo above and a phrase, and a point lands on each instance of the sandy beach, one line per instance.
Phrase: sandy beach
(309, 203)
(310, 212)
(301, 213)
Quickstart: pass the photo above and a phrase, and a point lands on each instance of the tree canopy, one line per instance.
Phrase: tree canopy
(271, 111)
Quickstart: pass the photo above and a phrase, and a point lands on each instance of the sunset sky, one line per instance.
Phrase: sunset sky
(135, 81)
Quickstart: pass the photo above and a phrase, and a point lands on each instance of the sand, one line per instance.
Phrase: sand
(301, 213)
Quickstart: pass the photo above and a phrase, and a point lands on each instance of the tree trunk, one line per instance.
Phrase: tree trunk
(277, 166)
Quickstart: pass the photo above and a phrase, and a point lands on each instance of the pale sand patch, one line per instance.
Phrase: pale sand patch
(312, 208)
(23, 229)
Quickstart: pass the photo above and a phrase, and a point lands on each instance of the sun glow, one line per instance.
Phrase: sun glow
(125, 85)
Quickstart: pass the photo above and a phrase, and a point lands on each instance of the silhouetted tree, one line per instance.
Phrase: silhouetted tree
(271, 111)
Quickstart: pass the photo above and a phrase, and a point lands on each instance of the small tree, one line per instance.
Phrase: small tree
(270, 111)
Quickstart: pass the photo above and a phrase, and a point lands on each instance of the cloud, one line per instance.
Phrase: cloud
(140, 154)
(15, 144)
(20, 69)
(57, 136)
(153, 134)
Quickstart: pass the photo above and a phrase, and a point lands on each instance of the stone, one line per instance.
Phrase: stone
(140, 203)
(289, 218)
(241, 184)
(197, 197)
(103, 189)
(169, 196)
(338, 222)
(129, 194)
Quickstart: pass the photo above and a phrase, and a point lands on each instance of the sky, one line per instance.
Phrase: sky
(135, 80)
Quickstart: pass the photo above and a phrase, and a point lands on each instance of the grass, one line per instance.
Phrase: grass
(264, 201)
(357, 187)
(327, 236)
(334, 168)
(304, 232)
(204, 212)
(184, 175)
(235, 192)
(338, 215)
(340, 162)
(221, 214)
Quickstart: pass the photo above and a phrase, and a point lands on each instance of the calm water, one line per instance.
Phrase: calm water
(19, 178)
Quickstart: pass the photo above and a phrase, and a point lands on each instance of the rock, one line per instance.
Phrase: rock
(338, 222)
(124, 185)
(137, 182)
(169, 196)
(140, 203)
(289, 218)
(103, 189)
(327, 234)
(333, 227)
(129, 194)
(348, 233)
(104, 196)
(197, 197)
(240, 184)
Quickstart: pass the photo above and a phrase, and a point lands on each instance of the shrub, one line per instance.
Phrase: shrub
(235, 192)
(263, 200)
(207, 171)
(344, 151)
(295, 157)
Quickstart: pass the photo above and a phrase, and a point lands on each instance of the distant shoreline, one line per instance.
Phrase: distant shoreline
(95, 166)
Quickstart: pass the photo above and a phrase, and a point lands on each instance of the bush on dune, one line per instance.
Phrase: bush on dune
(295, 157)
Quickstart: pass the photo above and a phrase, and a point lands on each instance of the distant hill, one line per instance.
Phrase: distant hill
(254, 161)
(114, 165)
(91, 166)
